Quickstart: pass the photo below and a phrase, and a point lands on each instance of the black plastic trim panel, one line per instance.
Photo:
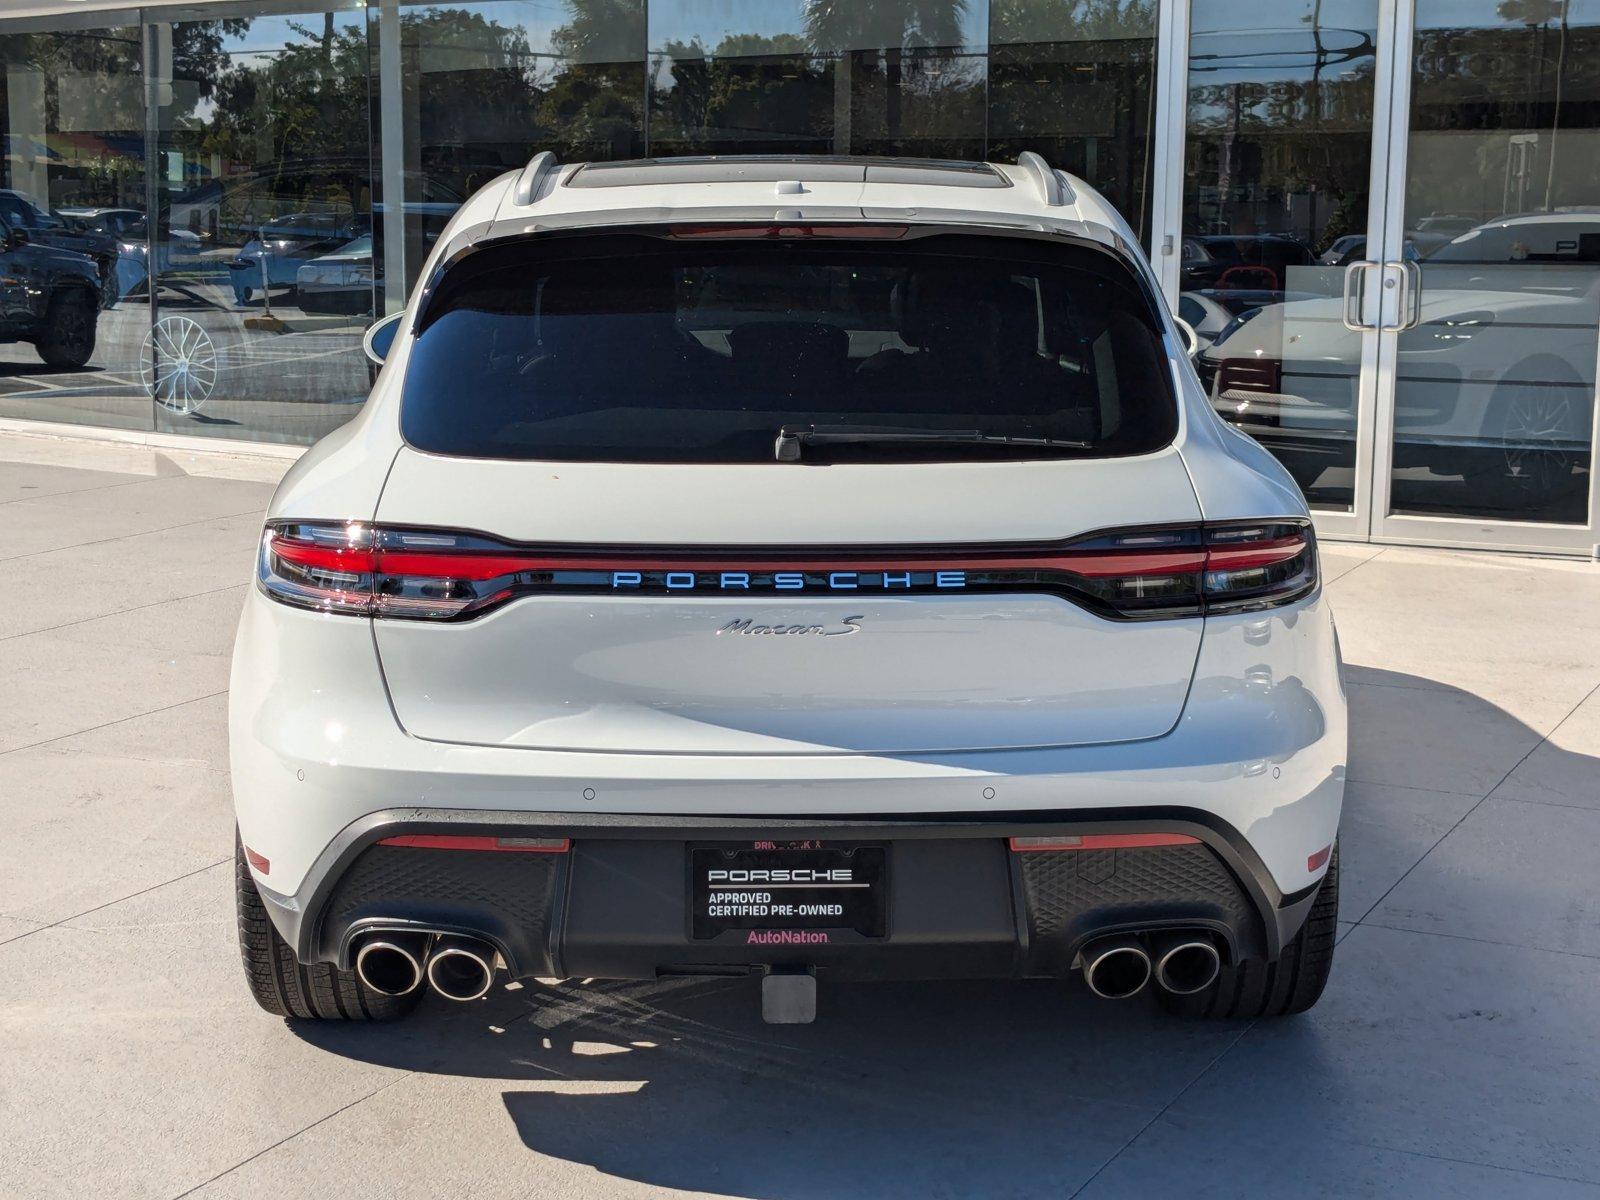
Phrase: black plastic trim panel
(300, 918)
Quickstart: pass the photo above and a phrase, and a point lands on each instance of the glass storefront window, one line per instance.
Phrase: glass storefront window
(72, 225)
(470, 91)
(797, 77)
(1495, 378)
(263, 253)
(304, 156)
(1076, 83)
(1276, 183)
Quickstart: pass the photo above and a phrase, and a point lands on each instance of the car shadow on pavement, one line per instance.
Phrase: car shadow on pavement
(897, 1089)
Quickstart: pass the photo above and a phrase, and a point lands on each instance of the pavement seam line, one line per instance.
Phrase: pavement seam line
(1345, 574)
(291, 1136)
(256, 511)
(99, 487)
(1542, 803)
(1411, 787)
(118, 900)
(1182, 1092)
(1463, 937)
(108, 616)
(108, 724)
(1509, 773)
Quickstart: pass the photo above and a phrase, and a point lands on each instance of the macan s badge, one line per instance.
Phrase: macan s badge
(748, 628)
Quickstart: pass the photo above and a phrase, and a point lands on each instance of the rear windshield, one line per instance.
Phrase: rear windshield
(634, 348)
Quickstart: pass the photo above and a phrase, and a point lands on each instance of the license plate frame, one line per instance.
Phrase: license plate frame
(760, 892)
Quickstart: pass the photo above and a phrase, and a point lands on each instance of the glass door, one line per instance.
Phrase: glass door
(1283, 208)
(1491, 283)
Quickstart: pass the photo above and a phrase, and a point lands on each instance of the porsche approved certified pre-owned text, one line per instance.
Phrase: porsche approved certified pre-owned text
(863, 592)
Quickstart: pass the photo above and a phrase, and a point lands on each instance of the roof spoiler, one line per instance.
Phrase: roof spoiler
(1052, 190)
(533, 175)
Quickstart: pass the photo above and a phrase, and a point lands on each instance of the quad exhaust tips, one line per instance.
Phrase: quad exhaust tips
(1186, 964)
(390, 963)
(1180, 962)
(461, 968)
(1116, 968)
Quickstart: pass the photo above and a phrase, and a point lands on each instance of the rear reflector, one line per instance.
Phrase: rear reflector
(450, 841)
(1314, 863)
(258, 861)
(1103, 841)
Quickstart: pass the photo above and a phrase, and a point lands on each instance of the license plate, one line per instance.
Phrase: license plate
(799, 887)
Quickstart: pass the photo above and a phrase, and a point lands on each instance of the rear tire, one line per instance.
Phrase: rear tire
(1254, 989)
(288, 988)
(68, 338)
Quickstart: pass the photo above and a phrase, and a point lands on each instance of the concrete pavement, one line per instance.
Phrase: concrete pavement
(1454, 1053)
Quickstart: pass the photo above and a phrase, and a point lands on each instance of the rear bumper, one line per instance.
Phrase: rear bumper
(962, 903)
(316, 753)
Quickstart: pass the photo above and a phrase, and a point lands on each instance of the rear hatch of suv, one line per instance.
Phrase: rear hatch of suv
(867, 489)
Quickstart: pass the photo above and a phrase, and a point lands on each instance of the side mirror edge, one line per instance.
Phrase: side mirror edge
(379, 338)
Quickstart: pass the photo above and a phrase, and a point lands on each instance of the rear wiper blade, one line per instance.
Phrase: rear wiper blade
(791, 438)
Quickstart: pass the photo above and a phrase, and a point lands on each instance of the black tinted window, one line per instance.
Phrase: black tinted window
(648, 349)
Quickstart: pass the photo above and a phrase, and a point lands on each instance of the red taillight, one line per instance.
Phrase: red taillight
(1258, 565)
(258, 861)
(1145, 574)
(363, 571)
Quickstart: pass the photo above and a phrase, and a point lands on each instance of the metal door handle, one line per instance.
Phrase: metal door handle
(1410, 302)
(1355, 276)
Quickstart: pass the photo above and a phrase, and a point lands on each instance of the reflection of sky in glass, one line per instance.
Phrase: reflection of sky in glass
(1485, 14)
(1225, 50)
(714, 20)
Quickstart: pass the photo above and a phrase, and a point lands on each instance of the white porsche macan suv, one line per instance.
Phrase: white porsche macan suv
(809, 568)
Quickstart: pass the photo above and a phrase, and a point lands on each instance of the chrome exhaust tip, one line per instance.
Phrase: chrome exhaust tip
(1187, 964)
(391, 963)
(1116, 968)
(461, 968)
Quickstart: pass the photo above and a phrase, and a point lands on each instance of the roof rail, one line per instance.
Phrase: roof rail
(540, 165)
(1052, 190)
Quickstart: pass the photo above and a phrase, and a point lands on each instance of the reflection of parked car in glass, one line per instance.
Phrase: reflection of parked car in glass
(283, 244)
(1353, 248)
(47, 229)
(1496, 375)
(174, 247)
(1253, 262)
(49, 297)
(1342, 250)
(342, 281)
(1210, 311)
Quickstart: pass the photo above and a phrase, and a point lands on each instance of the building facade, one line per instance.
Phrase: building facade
(1381, 217)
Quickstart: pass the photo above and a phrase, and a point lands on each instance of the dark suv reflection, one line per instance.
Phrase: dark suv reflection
(49, 297)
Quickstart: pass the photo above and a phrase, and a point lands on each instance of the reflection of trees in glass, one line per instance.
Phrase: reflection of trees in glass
(909, 85)
(1074, 80)
(285, 131)
(487, 95)
(1280, 130)
(594, 109)
(763, 92)
(107, 169)
(887, 77)
(1506, 118)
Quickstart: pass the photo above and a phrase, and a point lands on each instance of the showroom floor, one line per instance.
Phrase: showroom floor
(1454, 1053)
